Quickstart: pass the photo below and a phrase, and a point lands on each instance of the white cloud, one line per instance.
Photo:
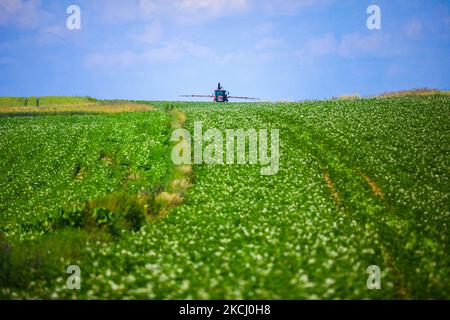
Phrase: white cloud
(170, 51)
(149, 7)
(22, 13)
(290, 7)
(212, 7)
(231, 57)
(201, 11)
(268, 43)
(349, 46)
(118, 11)
(197, 51)
(149, 34)
(56, 30)
(322, 46)
(355, 44)
(264, 28)
(178, 11)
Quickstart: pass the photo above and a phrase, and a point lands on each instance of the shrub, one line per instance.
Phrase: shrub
(113, 213)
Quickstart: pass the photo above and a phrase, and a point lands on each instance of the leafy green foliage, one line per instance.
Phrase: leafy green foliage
(239, 234)
(51, 162)
(67, 180)
(115, 212)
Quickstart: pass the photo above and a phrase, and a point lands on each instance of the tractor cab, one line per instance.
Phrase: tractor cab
(220, 95)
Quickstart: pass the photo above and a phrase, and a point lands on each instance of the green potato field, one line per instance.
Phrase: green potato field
(361, 182)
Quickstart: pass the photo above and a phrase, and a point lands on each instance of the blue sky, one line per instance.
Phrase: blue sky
(272, 49)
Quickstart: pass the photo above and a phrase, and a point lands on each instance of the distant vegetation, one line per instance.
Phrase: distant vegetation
(45, 101)
(421, 92)
(416, 93)
(67, 105)
(348, 97)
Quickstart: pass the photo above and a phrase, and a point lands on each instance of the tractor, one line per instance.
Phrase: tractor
(219, 95)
